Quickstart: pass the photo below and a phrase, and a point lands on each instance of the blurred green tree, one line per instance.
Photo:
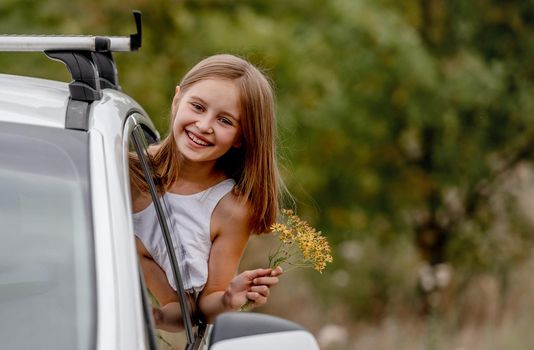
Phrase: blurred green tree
(404, 121)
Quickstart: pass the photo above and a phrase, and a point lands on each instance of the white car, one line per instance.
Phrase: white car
(69, 273)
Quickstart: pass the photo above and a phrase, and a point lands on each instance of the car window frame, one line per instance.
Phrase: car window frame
(141, 135)
(148, 322)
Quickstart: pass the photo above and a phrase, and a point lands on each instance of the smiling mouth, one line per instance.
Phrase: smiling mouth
(197, 140)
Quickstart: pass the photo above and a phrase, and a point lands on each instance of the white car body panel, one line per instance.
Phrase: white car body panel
(108, 117)
(290, 340)
(106, 280)
(33, 101)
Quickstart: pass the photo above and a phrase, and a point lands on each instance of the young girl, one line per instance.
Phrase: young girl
(218, 170)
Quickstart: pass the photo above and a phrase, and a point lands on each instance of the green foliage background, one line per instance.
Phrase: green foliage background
(403, 124)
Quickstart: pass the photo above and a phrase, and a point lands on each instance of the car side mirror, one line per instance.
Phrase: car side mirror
(235, 330)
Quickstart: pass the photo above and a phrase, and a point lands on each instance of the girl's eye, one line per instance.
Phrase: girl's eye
(197, 106)
(225, 121)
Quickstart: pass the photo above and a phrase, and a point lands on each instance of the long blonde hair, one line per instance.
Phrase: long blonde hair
(253, 165)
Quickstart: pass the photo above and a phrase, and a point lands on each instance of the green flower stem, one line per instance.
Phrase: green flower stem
(245, 307)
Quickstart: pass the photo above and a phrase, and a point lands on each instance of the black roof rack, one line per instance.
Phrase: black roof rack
(88, 59)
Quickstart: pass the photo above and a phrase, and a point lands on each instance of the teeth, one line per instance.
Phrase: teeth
(196, 139)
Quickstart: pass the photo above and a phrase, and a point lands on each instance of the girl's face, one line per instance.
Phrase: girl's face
(207, 120)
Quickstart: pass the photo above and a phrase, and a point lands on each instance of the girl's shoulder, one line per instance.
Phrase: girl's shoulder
(232, 213)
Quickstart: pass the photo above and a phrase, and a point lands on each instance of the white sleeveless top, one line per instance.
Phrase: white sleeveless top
(190, 217)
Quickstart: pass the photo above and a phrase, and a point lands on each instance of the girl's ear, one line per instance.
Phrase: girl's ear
(175, 100)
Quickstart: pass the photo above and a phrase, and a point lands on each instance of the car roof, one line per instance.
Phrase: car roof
(33, 101)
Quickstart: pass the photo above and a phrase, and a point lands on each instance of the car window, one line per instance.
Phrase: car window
(139, 146)
(46, 254)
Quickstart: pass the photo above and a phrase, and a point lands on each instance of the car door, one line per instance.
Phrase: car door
(141, 137)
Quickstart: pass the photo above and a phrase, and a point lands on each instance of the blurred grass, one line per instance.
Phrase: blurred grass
(485, 316)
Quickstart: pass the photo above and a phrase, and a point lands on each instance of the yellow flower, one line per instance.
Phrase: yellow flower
(300, 244)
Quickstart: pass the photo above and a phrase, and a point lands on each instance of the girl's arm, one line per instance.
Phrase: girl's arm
(223, 290)
(169, 316)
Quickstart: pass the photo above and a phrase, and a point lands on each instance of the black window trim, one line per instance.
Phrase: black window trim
(137, 138)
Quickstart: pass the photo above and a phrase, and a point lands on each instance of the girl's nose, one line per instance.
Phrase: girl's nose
(204, 125)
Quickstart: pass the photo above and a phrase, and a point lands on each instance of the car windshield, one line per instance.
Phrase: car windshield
(46, 255)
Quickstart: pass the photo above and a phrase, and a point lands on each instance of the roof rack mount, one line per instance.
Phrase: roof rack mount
(88, 59)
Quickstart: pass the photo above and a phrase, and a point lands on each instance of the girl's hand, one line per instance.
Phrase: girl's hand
(251, 288)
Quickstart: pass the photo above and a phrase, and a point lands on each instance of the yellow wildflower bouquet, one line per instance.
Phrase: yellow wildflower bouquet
(300, 245)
